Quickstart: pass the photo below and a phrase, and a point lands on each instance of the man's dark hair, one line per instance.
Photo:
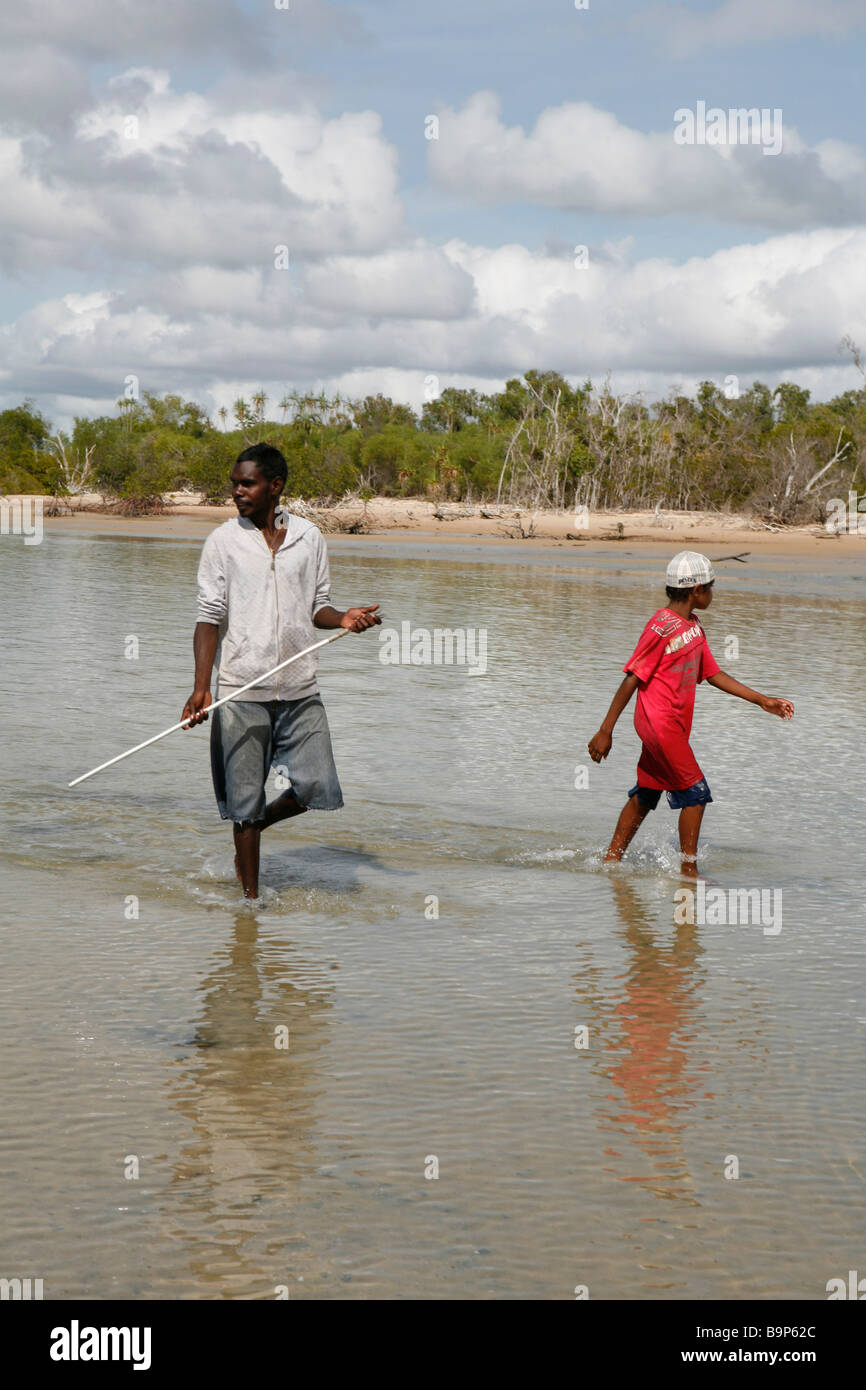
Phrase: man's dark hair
(267, 459)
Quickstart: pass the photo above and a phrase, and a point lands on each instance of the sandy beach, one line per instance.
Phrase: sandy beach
(398, 519)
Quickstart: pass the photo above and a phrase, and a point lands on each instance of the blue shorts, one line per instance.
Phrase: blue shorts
(696, 795)
(249, 737)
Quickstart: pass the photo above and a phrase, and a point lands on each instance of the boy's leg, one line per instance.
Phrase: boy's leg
(631, 817)
(690, 829)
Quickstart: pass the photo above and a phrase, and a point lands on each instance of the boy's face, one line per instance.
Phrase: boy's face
(704, 594)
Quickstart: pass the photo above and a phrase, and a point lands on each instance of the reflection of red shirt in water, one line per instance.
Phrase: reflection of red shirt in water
(669, 660)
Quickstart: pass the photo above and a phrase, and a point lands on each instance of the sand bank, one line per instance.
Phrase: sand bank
(413, 518)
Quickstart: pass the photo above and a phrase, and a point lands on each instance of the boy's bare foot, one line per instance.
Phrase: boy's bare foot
(689, 868)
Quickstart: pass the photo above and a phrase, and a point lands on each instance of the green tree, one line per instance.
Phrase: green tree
(26, 463)
(373, 413)
(792, 403)
(452, 410)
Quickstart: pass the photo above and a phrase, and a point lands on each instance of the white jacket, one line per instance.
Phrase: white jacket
(264, 603)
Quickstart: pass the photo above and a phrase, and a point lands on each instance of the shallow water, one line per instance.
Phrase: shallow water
(153, 1039)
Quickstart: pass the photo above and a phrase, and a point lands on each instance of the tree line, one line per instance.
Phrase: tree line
(540, 442)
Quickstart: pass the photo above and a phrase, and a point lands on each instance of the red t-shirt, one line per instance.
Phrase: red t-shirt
(670, 659)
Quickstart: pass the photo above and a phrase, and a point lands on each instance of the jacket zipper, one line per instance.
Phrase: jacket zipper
(276, 620)
(273, 556)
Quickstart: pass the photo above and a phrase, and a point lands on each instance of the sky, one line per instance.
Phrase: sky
(211, 197)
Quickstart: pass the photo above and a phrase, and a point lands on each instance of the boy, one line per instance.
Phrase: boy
(263, 587)
(671, 657)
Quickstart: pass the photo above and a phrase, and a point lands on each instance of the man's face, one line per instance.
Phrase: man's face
(252, 492)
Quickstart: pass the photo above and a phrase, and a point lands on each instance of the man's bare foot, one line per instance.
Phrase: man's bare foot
(248, 897)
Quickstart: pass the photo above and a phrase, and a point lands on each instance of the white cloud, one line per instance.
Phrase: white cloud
(117, 30)
(41, 87)
(41, 222)
(787, 300)
(580, 158)
(157, 177)
(175, 220)
(772, 310)
(419, 282)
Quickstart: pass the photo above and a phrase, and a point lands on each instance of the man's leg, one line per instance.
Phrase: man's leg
(283, 808)
(690, 829)
(299, 746)
(240, 741)
(248, 836)
(301, 752)
(631, 817)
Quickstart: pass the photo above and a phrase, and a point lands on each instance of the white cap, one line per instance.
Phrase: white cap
(688, 569)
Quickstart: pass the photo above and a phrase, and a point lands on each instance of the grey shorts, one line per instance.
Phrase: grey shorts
(249, 737)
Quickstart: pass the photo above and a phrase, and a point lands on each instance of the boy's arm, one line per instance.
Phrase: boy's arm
(769, 703)
(599, 745)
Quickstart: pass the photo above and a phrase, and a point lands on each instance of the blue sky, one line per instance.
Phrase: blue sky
(538, 55)
(411, 257)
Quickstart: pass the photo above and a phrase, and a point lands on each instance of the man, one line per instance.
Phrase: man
(264, 585)
(670, 660)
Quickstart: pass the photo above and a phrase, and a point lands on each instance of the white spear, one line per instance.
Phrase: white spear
(185, 723)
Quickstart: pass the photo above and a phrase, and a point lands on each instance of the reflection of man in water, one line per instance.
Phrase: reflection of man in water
(249, 1105)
